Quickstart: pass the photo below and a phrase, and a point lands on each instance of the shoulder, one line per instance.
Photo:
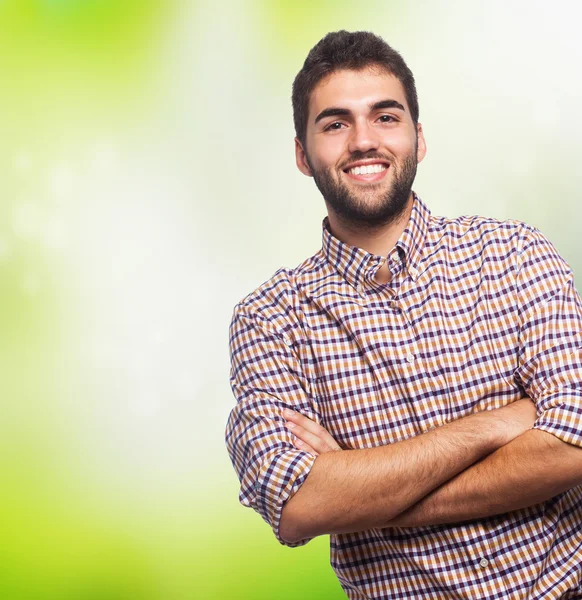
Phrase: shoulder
(477, 229)
(537, 253)
(276, 301)
(479, 238)
(512, 244)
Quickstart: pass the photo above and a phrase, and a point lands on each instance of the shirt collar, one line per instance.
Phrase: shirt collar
(354, 264)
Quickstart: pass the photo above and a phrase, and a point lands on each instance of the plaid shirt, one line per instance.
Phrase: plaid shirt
(477, 312)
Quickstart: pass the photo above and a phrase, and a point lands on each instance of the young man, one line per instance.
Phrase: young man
(442, 356)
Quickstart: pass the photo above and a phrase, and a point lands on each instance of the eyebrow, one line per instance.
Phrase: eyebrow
(336, 111)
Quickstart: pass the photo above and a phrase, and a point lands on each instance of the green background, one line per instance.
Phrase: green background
(147, 184)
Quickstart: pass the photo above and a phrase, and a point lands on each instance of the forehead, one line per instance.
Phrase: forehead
(355, 90)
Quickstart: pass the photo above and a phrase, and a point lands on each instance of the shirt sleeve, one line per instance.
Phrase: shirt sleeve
(550, 347)
(266, 377)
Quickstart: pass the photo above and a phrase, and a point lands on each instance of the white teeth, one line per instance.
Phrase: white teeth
(367, 169)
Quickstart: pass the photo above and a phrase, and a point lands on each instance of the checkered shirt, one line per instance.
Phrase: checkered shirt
(477, 312)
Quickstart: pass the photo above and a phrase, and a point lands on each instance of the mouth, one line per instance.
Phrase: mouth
(367, 171)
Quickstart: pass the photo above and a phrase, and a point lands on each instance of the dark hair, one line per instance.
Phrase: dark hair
(347, 50)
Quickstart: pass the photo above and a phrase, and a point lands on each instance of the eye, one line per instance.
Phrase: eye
(335, 126)
(387, 119)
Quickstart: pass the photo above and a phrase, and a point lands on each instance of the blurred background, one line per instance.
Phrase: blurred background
(147, 184)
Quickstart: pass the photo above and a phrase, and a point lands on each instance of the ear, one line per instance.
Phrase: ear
(301, 159)
(421, 151)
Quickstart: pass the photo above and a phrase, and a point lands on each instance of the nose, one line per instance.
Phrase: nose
(363, 137)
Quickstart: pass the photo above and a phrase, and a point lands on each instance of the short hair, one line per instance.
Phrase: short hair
(347, 50)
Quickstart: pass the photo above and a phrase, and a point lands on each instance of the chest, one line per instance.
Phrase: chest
(390, 366)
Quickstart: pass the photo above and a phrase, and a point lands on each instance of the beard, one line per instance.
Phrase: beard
(370, 208)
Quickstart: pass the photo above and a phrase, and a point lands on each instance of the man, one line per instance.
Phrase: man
(441, 356)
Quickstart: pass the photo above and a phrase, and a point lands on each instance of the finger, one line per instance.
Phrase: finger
(312, 427)
(318, 444)
(306, 447)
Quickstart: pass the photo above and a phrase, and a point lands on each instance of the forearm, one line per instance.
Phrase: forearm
(532, 468)
(354, 490)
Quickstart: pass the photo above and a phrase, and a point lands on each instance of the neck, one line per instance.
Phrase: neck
(379, 240)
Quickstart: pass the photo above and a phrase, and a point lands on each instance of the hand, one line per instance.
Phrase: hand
(310, 436)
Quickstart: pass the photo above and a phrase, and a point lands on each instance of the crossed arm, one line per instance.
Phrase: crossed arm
(485, 464)
(532, 468)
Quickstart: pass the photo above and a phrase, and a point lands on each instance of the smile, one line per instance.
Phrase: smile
(370, 172)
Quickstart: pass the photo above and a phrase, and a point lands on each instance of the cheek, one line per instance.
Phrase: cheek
(400, 140)
(403, 147)
(329, 152)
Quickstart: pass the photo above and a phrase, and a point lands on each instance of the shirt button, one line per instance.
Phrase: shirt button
(413, 272)
(483, 562)
(410, 358)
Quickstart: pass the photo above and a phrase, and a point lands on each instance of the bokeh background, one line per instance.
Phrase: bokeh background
(147, 184)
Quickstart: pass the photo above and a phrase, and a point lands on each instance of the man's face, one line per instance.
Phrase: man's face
(362, 146)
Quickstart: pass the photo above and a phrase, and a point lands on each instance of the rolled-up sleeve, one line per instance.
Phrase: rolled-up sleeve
(550, 348)
(266, 377)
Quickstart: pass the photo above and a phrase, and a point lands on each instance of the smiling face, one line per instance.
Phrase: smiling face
(361, 146)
